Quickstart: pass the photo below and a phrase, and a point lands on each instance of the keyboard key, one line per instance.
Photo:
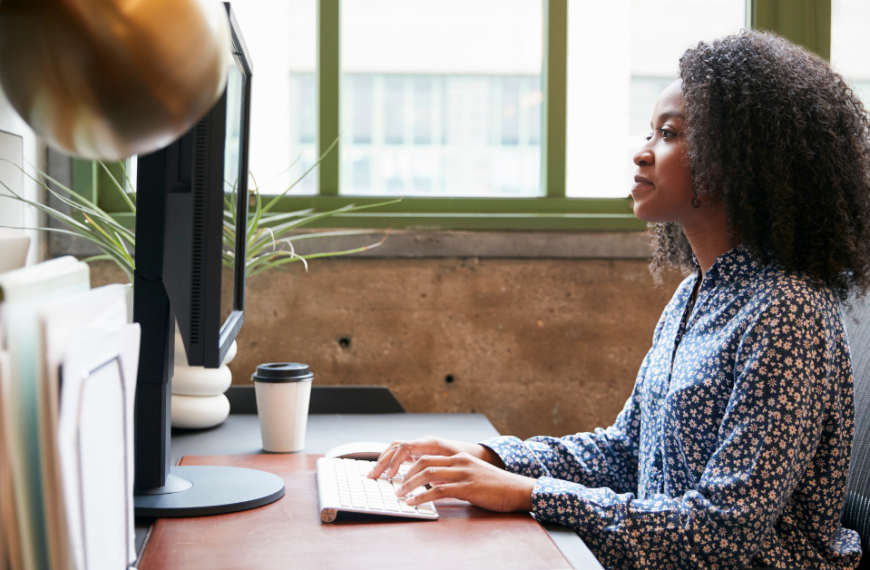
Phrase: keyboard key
(359, 503)
(426, 509)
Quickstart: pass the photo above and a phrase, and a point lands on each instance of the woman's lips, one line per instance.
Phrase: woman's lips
(641, 184)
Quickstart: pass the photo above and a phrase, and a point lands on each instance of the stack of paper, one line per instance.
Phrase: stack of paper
(66, 406)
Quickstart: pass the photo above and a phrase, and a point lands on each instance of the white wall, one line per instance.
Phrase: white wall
(13, 212)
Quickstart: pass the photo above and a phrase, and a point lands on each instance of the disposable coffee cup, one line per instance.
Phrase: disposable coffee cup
(283, 392)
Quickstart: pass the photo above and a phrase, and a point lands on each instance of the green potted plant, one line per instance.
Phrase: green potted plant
(268, 232)
(198, 399)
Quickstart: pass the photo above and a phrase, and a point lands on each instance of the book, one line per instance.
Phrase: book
(22, 291)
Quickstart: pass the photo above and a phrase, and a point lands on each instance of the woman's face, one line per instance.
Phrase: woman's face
(662, 188)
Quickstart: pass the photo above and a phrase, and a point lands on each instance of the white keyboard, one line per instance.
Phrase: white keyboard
(343, 485)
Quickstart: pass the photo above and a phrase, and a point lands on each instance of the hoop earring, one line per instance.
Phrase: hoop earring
(696, 202)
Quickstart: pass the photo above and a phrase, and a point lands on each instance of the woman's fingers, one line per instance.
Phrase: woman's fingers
(398, 452)
(384, 460)
(465, 477)
(430, 461)
(448, 491)
(444, 473)
(403, 453)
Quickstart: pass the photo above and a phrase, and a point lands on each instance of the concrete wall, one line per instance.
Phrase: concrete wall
(546, 346)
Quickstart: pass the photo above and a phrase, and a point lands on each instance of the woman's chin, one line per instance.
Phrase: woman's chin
(640, 213)
(647, 212)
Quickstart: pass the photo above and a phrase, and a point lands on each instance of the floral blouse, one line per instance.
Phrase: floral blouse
(733, 449)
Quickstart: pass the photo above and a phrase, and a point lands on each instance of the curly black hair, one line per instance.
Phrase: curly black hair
(784, 143)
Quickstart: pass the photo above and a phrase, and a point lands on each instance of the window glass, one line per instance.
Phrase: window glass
(441, 97)
(281, 34)
(850, 44)
(621, 54)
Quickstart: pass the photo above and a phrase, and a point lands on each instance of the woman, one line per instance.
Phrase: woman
(733, 449)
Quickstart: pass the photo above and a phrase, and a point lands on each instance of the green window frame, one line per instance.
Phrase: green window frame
(806, 22)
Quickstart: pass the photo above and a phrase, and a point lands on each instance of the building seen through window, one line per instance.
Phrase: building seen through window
(441, 98)
(850, 44)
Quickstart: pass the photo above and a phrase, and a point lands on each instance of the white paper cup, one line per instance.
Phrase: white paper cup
(283, 392)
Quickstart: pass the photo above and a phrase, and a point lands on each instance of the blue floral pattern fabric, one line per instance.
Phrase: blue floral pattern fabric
(733, 449)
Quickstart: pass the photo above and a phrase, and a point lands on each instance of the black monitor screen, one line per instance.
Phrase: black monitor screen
(235, 188)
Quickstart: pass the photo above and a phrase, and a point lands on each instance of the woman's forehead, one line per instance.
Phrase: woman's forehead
(671, 102)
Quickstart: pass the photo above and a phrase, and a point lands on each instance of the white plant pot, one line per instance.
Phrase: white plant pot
(198, 412)
(197, 392)
(199, 381)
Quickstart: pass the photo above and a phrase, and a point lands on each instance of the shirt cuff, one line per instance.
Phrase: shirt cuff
(516, 456)
(556, 501)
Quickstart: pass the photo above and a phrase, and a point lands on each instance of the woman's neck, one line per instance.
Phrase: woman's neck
(708, 236)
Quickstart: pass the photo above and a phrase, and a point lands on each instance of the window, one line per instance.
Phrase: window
(616, 70)
(444, 103)
(441, 97)
(850, 44)
(281, 37)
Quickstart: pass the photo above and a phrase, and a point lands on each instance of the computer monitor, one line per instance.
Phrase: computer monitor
(186, 274)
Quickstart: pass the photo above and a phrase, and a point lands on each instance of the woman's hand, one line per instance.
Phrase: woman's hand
(456, 469)
(401, 451)
(465, 477)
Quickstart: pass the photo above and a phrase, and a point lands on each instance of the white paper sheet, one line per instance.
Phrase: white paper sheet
(64, 322)
(95, 441)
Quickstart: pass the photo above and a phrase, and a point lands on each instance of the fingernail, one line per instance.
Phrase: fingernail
(400, 491)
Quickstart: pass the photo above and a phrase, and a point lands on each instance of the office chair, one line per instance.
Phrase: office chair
(856, 514)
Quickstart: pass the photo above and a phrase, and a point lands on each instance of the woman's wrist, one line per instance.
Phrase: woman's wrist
(484, 453)
(525, 490)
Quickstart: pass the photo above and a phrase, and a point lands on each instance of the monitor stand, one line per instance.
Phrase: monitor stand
(205, 490)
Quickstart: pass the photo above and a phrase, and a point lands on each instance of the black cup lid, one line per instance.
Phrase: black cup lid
(282, 372)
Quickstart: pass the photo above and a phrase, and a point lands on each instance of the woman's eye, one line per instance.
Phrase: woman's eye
(666, 133)
(649, 136)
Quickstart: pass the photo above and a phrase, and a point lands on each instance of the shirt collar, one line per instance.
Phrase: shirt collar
(730, 266)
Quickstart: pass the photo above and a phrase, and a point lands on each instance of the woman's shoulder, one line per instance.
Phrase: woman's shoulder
(792, 295)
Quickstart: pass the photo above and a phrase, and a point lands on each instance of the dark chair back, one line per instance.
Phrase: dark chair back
(856, 515)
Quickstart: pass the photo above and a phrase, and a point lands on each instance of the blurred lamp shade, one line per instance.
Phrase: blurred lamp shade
(106, 79)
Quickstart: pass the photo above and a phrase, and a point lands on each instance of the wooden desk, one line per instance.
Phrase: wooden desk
(240, 434)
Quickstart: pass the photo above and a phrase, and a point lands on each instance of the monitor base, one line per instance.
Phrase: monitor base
(213, 491)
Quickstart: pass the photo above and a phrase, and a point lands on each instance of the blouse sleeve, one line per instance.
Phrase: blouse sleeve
(604, 458)
(768, 436)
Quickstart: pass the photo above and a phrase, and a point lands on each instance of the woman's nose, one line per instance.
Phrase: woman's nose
(644, 157)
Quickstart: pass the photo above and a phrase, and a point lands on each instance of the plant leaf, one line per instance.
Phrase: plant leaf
(120, 188)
